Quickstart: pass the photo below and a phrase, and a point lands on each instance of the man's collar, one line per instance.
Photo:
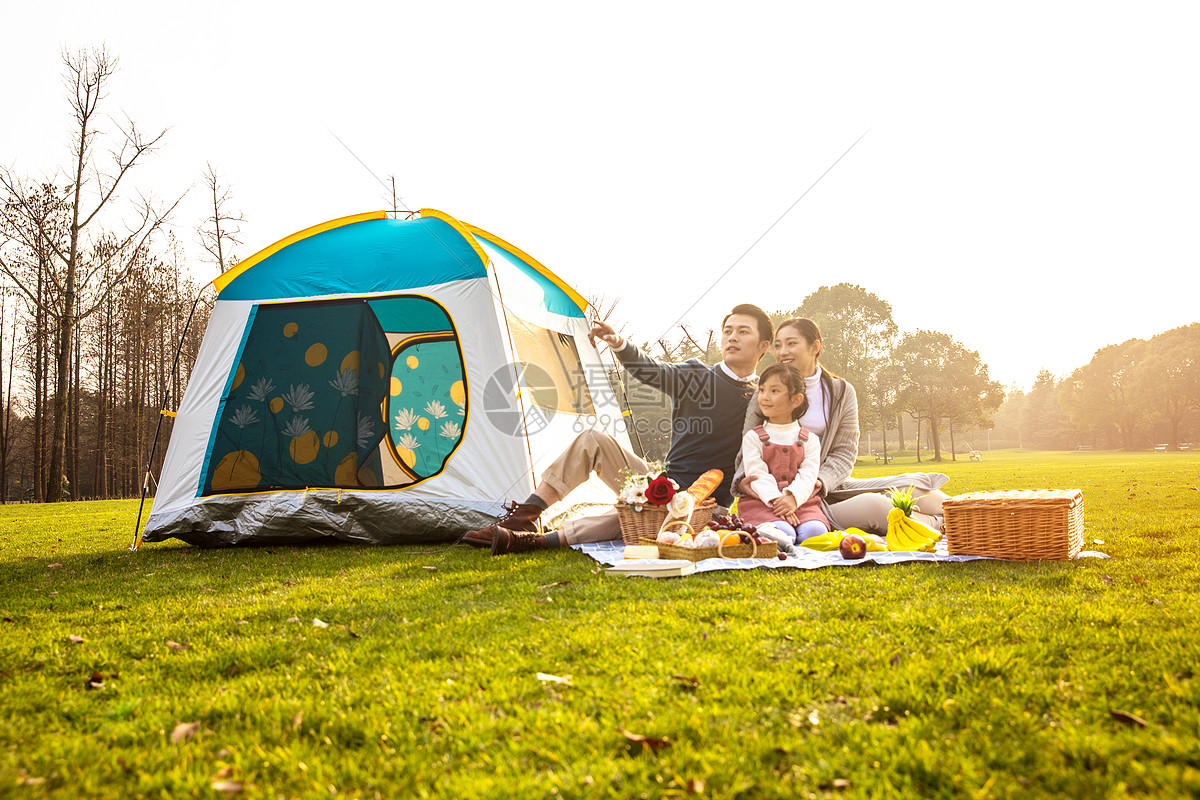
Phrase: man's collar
(751, 378)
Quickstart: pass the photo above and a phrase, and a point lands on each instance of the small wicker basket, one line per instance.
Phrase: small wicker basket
(1021, 525)
(647, 522)
(752, 550)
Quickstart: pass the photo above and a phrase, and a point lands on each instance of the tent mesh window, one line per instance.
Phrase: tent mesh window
(361, 393)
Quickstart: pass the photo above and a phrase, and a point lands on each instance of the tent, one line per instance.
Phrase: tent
(378, 380)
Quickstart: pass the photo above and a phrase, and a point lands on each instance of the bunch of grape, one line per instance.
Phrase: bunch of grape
(732, 522)
(729, 522)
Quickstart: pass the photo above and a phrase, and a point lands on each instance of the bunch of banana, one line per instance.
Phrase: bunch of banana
(905, 533)
(825, 542)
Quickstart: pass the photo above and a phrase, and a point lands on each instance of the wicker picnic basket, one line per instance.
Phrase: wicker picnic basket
(1022, 525)
(646, 522)
(752, 550)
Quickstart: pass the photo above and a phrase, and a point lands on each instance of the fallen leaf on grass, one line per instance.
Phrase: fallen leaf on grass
(184, 732)
(296, 720)
(655, 743)
(544, 602)
(539, 619)
(556, 583)
(95, 682)
(565, 680)
(124, 767)
(1107, 580)
(814, 718)
(1139, 580)
(293, 619)
(431, 569)
(695, 786)
(224, 772)
(1127, 718)
(687, 680)
(895, 659)
(177, 647)
(841, 783)
(229, 787)
(55, 565)
(25, 780)
(788, 637)
(318, 624)
(289, 583)
(75, 639)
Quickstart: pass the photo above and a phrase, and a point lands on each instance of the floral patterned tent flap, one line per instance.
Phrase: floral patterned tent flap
(346, 393)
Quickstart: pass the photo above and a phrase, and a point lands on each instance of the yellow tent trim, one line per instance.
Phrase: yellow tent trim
(460, 228)
(575, 296)
(225, 278)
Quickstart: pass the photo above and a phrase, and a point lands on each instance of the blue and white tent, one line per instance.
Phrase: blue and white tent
(378, 380)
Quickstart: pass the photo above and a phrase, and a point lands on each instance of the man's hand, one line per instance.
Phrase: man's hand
(606, 333)
(747, 488)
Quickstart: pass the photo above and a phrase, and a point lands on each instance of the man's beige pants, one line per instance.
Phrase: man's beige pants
(599, 453)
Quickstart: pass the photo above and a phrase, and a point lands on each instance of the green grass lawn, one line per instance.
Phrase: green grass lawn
(978, 679)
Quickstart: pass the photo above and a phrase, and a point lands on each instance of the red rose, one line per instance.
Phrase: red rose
(660, 491)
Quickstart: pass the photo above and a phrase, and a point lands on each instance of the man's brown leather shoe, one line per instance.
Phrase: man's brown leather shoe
(520, 517)
(505, 541)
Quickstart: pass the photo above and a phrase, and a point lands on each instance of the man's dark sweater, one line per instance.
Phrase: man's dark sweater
(708, 408)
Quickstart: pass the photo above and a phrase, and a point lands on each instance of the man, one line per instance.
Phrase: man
(708, 406)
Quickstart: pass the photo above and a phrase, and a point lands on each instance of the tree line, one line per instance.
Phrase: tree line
(1135, 395)
(925, 389)
(94, 299)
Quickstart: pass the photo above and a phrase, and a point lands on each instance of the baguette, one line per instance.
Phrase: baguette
(706, 484)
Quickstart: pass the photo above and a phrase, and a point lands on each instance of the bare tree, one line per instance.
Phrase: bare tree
(219, 233)
(76, 259)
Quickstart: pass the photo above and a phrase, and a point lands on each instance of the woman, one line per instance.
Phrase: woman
(833, 415)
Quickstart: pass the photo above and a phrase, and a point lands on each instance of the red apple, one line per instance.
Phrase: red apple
(852, 547)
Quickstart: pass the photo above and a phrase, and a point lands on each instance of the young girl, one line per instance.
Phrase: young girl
(781, 459)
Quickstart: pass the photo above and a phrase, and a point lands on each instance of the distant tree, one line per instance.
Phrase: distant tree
(857, 327)
(974, 397)
(73, 260)
(219, 233)
(1006, 430)
(1168, 379)
(859, 334)
(1102, 396)
(942, 380)
(1043, 424)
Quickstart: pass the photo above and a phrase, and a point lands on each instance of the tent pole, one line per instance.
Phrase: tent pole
(163, 412)
(628, 408)
(516, 379)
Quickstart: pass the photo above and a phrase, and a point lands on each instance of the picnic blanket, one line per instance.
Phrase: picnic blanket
(610, 553)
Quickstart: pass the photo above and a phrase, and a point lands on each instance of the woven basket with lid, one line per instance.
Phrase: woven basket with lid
(1021, 525)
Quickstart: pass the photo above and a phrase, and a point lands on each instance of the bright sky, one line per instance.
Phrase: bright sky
(1028, 183)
